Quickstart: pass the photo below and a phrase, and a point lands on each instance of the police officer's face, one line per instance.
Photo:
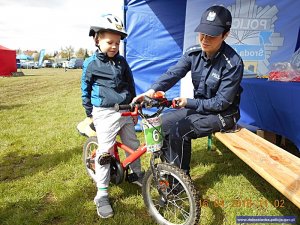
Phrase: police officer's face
(109, 43)
(210, 45)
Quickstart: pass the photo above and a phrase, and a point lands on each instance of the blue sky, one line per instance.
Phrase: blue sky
(38, 24)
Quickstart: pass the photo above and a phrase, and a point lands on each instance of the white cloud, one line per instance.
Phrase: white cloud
(38, 24)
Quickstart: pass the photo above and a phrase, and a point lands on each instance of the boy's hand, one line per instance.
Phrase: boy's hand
(140, 98)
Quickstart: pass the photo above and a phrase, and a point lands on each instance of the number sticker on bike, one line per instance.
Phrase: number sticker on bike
(152, 131)
(155, 135)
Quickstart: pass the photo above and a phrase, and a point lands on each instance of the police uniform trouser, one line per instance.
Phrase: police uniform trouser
(180, 126)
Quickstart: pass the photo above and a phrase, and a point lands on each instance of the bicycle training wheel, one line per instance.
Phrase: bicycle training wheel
(172, 199)
(89, 154)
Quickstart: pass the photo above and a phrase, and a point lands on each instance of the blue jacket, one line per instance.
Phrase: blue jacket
(216, 81)
(106, 81)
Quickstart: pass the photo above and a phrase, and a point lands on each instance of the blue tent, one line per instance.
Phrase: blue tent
(156, 38)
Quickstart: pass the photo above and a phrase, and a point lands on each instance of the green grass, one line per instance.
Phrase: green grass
(43, 180)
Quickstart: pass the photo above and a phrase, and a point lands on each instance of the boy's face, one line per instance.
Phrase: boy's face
(109, 43)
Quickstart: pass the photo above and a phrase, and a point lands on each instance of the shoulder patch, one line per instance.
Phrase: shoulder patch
(195, 48)
(228, 62)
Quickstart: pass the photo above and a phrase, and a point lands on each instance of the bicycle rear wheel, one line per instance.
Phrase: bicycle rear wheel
(89, 154)
(172, 199)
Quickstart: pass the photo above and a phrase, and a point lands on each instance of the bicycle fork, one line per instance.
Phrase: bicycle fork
(161, 184)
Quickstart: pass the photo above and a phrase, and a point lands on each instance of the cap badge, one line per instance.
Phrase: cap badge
(211, 16)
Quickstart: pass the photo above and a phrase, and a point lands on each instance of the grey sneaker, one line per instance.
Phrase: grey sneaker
(104, 209)
(140, 178)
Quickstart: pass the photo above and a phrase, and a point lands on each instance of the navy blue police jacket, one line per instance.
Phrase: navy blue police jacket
(106, 81)
(216, 81)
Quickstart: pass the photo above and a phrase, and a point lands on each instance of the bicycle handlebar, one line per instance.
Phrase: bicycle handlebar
(148, 102)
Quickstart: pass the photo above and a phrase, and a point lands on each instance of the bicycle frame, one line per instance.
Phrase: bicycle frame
(135, 154)
(152, 126)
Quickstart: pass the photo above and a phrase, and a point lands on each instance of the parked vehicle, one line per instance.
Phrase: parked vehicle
(29, 65)
(65, 64)
(36, 65)
(57, 65)
(75, 63)
(47, 63)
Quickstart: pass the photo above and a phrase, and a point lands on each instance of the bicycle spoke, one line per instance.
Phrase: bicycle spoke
(183, 212)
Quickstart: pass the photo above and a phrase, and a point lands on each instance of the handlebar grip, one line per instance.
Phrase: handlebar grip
(123, 107)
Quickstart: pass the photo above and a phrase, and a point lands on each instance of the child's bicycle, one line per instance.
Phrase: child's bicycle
(168, 193)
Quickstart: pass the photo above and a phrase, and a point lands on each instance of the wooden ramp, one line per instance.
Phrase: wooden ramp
(280, 168)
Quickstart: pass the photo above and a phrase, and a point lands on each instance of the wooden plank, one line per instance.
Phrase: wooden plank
(280, 168)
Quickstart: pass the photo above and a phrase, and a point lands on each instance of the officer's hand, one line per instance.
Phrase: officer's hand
(140, 98)
(180, 102)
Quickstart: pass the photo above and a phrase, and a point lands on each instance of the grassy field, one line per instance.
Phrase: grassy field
(43, 180)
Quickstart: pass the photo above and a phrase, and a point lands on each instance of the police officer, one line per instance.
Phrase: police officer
(217, 72)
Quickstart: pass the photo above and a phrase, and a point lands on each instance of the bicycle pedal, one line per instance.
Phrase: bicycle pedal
(105, 159)
(89, 163)
(132, 177)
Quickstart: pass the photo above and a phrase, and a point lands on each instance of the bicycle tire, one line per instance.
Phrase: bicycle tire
(179, 208)
(89, 153)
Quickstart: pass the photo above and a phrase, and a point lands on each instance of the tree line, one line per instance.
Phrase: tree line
(64, 53)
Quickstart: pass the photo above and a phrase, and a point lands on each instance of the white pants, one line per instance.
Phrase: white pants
(109, 124)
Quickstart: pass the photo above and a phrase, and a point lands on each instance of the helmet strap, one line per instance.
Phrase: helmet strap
(97, 41)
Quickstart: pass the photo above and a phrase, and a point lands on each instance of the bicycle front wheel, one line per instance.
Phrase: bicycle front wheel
(170, 196)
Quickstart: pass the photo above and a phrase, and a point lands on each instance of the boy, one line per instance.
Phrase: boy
(106, 80)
